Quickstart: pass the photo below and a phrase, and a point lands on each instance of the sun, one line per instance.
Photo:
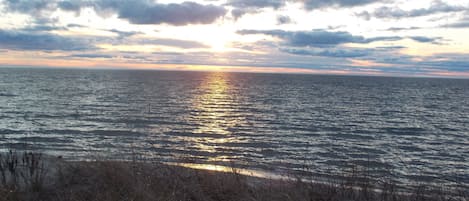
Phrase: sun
(218, 45)
(218, 38)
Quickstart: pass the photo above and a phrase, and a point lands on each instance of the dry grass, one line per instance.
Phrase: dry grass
(31, 177)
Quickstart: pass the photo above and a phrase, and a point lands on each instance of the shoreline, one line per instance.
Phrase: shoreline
(38, 177)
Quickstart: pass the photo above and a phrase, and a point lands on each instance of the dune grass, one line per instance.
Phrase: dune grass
(30, 176)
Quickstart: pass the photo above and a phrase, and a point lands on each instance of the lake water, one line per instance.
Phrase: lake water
(415, 128)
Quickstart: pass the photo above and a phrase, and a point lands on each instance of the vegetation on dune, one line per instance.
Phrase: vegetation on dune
(31, 176)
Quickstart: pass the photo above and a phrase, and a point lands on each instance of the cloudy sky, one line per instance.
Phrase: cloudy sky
(372, 37)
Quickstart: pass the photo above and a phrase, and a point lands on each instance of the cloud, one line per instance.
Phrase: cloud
(251, 5)
(462, 23)
(93, 56)
(340, 53)
(323, 38)
(449, 61)
(29, 6)
(317, 4)
(239, 12)
(136, 11)
(124, 34)
(40, 41)
(283, 19)
(149, 12)
(308, 4)
(243, 7)
(317, 37)
(424, 39)
(453, 65)
(174, 14)
(436, 7)
(42, 28)
(256, 3)
(396, 47)
(174, 43)
(396, 29)
(74, 6)
(75, 26)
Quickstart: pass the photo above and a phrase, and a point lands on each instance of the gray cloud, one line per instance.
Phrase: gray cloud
(136, 11)
(452, 65)
(40, 41)
(239, 12)
(424, 39)
(308, 4)
(71, 5)
(75, 26)
(124, 34)
(462, 23)
(174, 14)
(459, 25)
(396, 29)
(243, 7)
(28, 6)
(256, 3)
(322, 38)
(42, 28)
(93, 56)
(283, 19)
(436, 7)
(340, 53)
(317, 37)
(316, 4)
(391, 47)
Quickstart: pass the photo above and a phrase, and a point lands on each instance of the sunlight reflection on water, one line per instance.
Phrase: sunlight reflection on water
(214, 110)
(277, 123)
(220, 168)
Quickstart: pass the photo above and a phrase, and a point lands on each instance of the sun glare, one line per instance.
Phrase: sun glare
(218, 45)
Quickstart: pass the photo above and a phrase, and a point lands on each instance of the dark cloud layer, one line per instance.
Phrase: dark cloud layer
(70, 5)
(28, 6)
(315, 4)
(40, 41)
(174, 14)
(135, 11)
(319, 38)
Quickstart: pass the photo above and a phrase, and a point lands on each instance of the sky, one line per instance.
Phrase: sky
(350, 37)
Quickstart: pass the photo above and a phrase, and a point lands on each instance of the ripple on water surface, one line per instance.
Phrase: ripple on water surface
(416, 128)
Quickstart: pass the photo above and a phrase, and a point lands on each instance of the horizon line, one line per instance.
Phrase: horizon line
(242, 69)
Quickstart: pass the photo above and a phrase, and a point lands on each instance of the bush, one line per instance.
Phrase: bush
(30, 176)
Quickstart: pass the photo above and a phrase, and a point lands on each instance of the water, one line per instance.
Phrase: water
(417, 129)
